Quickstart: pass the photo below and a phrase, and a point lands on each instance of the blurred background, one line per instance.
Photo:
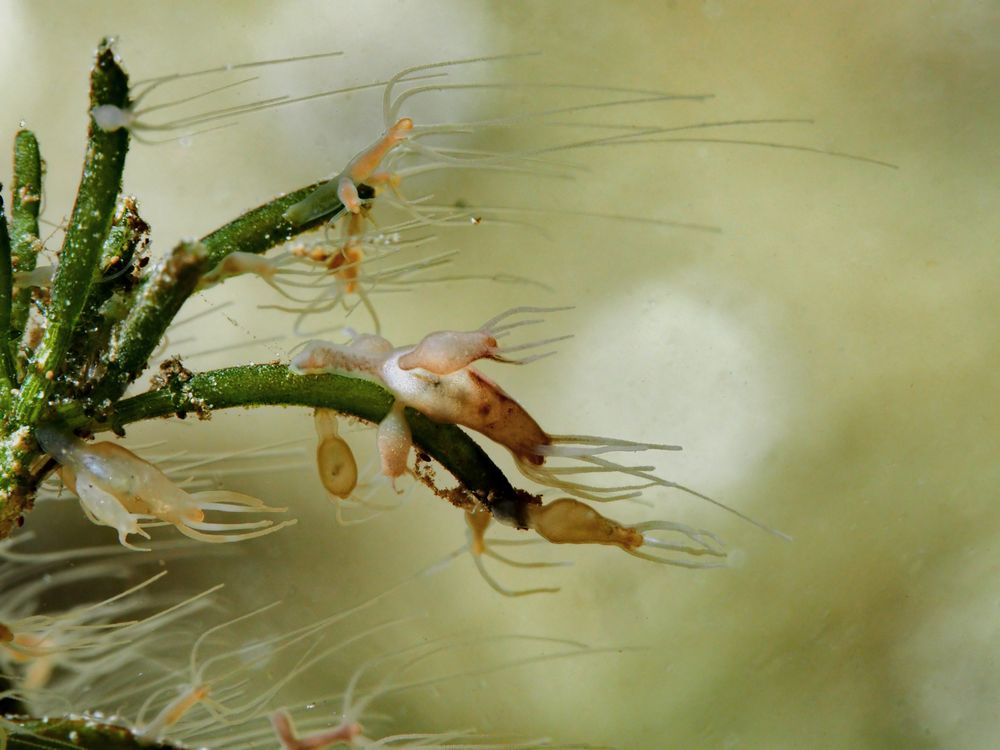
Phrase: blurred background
(828, 357)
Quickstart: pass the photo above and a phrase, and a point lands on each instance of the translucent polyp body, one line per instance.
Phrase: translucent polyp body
(568, 521)
(119, 489)
(446, 351)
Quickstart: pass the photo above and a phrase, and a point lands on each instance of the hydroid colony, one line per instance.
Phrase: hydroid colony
(82, 335)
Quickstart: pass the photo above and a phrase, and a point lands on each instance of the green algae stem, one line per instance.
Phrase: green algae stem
(276, 385)
(28, 733)
(88, 227)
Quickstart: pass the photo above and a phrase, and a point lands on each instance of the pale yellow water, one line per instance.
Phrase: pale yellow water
(828, 360)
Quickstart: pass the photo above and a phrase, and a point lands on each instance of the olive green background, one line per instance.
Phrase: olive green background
(828, 359)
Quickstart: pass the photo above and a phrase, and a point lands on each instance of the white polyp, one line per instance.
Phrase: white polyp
(105, 509)
(118, 489)
(110, 118)
(237, 263)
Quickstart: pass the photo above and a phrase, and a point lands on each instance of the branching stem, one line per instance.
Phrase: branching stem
(276, 385)
(88, 227)
(161, 295)
(101, 321)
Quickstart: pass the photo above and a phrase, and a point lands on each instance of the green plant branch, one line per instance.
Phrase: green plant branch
(100, 329)
(88, 226)
(128, 234)
(134, 340)
(8, 374)
(26, 192)
(265, 227)
(276, 385)
(160, 297)
(24, 733)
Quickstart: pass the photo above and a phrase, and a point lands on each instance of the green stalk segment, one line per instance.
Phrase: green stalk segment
(8, 374)
(85, 235)
(27, 200)
(260, 385)
(160, 297)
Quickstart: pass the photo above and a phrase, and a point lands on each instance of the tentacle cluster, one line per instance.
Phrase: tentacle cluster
(118, 489)
(436, 378)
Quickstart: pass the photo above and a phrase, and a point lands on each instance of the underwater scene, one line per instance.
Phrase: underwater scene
(482, 374)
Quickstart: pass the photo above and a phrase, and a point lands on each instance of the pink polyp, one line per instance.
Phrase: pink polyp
(467, 397)
(323, 357)
(347, 191)
(284, 729)
(444, 352)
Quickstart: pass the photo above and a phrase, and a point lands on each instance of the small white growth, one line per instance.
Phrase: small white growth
(110, 118)
(394, 442)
